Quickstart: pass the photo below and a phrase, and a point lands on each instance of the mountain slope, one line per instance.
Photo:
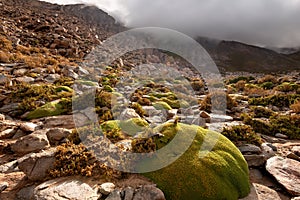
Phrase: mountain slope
(236, 56)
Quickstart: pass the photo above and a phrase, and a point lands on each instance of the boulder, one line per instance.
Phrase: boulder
(34, 142)
(28, 126)
(56, 135)
(36, 165)
(249, 149)
(265, 193)
(287, 172)
(65, 188)
(149, 192)
(129, 113)
(62, 121)
(107, 188)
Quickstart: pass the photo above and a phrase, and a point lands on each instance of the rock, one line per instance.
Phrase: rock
(4, 79)
(296, 150)
(2, 117)
(25, 193)
(62, 121)
(265, 193)
(36, 165)
(281, 136)
(293, 156)
(34, 142)
(267, 150)
(51, 78)
(287, 172)
(128, 193)
(261, 192)
(65, 188)
(9, 167)
(129, 113)
(149, 192)
(106, 188)
(81, 119)
(28, 126)
(9, 107)
(20, 72)
(56, 135)
(115, 195)
(255, 160)
(25, 79)
(8, 133)
(249, 149)
(3, 186)
(220, 118)
(151, 111)
(204, 115)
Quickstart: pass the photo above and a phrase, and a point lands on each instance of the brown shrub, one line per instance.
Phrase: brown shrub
(296, 107)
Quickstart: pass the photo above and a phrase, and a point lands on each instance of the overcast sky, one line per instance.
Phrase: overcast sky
(259, 22)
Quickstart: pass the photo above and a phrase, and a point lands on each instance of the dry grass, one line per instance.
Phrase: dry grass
(296, 107)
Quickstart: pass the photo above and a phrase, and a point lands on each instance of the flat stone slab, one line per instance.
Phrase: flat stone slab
(287, 172)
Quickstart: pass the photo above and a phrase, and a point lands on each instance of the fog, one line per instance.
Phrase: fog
(259, 22)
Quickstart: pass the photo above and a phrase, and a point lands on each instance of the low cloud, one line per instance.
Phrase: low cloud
(259, 22)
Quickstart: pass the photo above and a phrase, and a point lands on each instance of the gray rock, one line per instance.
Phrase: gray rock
(3, 186)
(36, 165)
(128, 193)
(28, 126)
(267, 151)
(65, 188)
(220, 118)
(34, 142)
(129, 113)
(149, 192)
(151, 111)
(25, 79)
(115, 195)
(107, 188)
(9, 107)
(8, 133)
(20, 72)
(249, 149)
(9, 167)
(4, 79)
(287, 172)
(62, 121)
(56, 135)
(255, 160)
(51, 78)
(25, 193)
(281, 136)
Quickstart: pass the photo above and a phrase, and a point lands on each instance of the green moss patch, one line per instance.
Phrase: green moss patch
(54, 108)
(221, 174)
(160, 105)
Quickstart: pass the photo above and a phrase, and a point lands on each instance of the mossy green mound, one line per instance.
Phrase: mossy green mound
(130, 127)
(53, 108)
(160, 105)
(221, 174)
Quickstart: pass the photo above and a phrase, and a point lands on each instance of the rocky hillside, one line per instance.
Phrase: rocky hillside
(70, 31)
(59, 142)
(235, 56)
